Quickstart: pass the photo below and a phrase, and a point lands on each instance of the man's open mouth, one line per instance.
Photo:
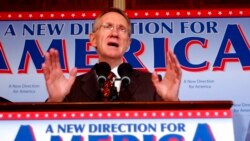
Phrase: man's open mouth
(113, 44)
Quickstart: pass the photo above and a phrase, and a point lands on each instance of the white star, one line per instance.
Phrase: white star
(136, 14)
(127, 114)
(157, 14)
(37, 115)
(135, 114)
(167, 13)
(9, 16)
(55, 115)
(30, 15)
(209, 13)
(19, 115)
(241, 12)
(220, 13)
(146, 13)
(230, 12)
(62, 15)
(207, 113)
(20, 16)
(94, 14)
(178, 13)
(52, 15)
(109, 115)
(10, 115)
(188, 13)
(199, 13)
(64, 115)
(73, 115)
(41, 15)
(91, 115)
(73, 15)
(118, 114)
(225, 113)
(27, 115)
(83, 14)
(46, 115)
(82, 115)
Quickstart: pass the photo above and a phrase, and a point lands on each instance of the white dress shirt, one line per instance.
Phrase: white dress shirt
(118, 79)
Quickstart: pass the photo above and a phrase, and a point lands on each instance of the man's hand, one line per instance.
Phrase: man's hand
(58, 86)
(168, 88)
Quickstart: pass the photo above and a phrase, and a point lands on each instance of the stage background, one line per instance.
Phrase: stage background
(224, 35)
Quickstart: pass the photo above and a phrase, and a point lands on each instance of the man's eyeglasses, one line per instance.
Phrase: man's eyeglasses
(110, 27)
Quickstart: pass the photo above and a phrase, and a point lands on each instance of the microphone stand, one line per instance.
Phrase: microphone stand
(99, 96)
(113, 93)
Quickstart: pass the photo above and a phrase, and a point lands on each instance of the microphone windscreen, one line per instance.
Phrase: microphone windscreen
(125, 69)
(102, 69)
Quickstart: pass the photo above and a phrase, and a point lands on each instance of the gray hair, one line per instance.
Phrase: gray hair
(116, 10)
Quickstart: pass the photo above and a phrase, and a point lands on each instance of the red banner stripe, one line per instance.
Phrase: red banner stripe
(115, 114)
(134, 14)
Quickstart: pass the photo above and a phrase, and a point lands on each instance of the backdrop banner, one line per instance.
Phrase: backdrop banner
(211, 45)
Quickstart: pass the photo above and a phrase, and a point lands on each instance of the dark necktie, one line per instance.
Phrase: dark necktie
(107, 86)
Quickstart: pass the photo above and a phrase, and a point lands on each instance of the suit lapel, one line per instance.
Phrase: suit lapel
(89, 85)
(126, 94)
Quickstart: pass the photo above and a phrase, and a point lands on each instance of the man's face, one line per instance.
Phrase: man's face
(111, 37)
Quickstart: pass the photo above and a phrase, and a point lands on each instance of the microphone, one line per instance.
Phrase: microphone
(102, 71)
(125, 70)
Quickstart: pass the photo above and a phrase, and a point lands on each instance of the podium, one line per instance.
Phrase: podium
(117, 121)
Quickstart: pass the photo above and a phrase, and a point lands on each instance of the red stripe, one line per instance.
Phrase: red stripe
(49, 115)
(204, 13)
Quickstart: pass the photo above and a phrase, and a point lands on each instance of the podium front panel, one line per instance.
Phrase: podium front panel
(190, 124)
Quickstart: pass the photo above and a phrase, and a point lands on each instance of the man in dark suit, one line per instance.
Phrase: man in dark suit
(111, 38)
